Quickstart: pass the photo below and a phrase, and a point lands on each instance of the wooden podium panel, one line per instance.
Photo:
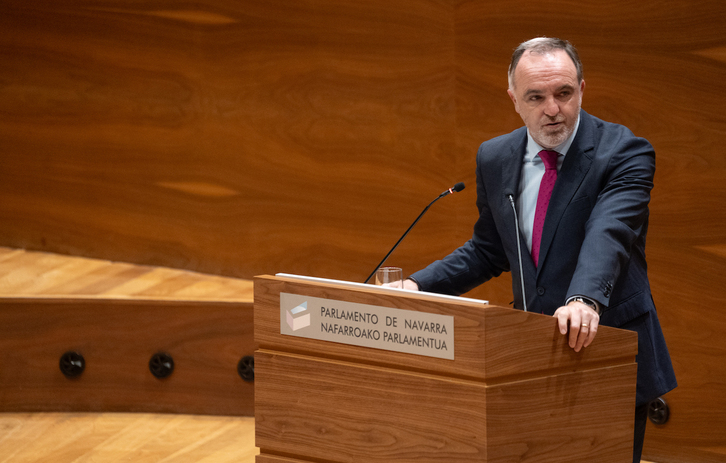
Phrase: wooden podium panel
(514, 392)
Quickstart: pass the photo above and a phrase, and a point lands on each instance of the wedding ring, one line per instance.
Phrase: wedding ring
(585, 325)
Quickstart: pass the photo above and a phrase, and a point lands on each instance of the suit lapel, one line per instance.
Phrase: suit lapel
(512, 168)
(576, 165)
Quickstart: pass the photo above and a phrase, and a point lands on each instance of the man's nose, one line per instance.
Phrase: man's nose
(551, 107)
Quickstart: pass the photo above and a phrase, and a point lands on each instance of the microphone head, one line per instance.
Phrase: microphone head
(458, 187)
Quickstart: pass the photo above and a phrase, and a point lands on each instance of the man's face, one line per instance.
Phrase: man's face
(547, 96)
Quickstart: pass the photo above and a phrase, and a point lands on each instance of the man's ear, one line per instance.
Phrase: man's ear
(514, 99)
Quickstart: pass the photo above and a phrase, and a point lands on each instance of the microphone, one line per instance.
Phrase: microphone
(510, 196)
(454, 189)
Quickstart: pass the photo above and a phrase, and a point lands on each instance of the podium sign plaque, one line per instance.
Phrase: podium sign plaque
(365, 325)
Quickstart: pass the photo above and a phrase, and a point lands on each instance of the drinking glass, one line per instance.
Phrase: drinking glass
(391, 276)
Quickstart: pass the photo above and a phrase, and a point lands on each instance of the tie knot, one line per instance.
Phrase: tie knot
(549, 158)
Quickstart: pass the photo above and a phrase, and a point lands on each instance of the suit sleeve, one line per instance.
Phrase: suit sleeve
(478, 260)
(616, 229)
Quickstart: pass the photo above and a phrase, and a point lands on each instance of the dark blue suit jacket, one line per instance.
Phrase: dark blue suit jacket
(593, 241)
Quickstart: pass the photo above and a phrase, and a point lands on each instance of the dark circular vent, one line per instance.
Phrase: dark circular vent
(161, 365)
(72, 364)
(658, 411)
(246, 368)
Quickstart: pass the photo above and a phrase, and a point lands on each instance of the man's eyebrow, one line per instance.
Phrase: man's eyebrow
(533, 91)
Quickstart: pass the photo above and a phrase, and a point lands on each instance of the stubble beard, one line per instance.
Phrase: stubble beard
(551, 138)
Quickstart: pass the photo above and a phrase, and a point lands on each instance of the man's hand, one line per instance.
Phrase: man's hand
(407, 284)
(583, 322)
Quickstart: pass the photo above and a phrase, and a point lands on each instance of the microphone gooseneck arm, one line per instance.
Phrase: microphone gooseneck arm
(458, 187)
(519, 250)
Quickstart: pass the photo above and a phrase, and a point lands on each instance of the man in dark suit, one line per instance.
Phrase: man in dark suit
(578, 188)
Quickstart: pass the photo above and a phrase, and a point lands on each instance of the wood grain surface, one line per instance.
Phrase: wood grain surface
(500, 399)
(132, 437)
(32, 274)
(248, 138)
(118, 315)
(117, 338)
(154, 135)
(114, 437)
(484, 347)
(344, 412)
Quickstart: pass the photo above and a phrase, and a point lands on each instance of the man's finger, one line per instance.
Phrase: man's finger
(562, 319)
(582, 338)
(592, 332)
(575, 321)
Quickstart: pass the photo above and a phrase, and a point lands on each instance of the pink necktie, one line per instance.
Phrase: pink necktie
(543, 199)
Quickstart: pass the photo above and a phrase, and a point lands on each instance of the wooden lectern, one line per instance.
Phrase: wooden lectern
(514, 392)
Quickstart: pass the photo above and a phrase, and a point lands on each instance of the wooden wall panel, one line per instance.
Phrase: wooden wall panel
(226, 137)
(257, 137)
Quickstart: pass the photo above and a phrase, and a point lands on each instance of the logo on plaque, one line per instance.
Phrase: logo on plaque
(299, 317)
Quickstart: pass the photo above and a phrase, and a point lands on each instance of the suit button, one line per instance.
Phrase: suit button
(540, 290)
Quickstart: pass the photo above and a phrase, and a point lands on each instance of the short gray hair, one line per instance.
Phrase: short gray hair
(544, 45)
